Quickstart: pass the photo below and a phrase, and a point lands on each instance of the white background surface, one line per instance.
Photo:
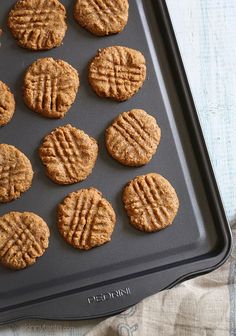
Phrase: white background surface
(206, 31)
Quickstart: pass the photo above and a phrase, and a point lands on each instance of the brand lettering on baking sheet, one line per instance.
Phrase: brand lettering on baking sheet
(109, 295)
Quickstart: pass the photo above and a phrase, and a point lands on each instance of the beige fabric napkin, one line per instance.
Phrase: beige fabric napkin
(204, 306)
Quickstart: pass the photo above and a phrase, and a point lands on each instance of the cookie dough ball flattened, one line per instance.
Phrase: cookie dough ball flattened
(7, 104)
(68, 154)
(23, 238)
(86, 219)
(133, 137)
(38, 24)
(102, 17)
(50, 87)
(16, 173)
(151, 202)
(117, 72)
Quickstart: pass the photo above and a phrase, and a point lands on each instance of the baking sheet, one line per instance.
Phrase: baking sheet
(64, 269)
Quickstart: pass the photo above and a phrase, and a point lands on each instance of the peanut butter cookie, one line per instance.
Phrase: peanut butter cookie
(23, 238)
(16, 173)
(38, 24)
(68, 154)
(86, 219)
(7, 104)
(151, 202)
(133, 137)
(102, 17)
(50, 87)
(117, 72)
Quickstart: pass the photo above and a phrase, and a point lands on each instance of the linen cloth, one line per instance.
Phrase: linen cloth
(206, 305)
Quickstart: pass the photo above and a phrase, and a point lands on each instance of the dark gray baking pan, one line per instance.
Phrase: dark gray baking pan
(70, 284)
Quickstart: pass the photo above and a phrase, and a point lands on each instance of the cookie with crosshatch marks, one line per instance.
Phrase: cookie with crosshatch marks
(23, 238)
(86, 219)
(151, 202)
(38, 24)
(68, 154)
(117, 72)
(7, 104)
(50, 87)
(16, 173)
(102, 17)
(133, 137)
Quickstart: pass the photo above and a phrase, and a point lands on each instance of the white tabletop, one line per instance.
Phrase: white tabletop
(205, 31)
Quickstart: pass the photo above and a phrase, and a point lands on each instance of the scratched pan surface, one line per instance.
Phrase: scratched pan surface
(60, 283)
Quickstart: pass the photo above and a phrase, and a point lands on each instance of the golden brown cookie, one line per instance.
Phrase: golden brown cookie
(86, 219)
(102, 17)
(23, 238)
(151, 202)
(133, 137)
(117, 72)
(7, 104)
(38, 24)
(68, 154)
(50, 87)
(16, 173)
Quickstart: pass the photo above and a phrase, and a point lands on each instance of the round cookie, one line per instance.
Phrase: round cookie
(50, 87)
(38, 24)
(16, 173)
(7, 104)
(151, 202)
(102, 17)
(133, 137)
(86, 219)
(68, 154)
(23, 238)
(117, 72)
